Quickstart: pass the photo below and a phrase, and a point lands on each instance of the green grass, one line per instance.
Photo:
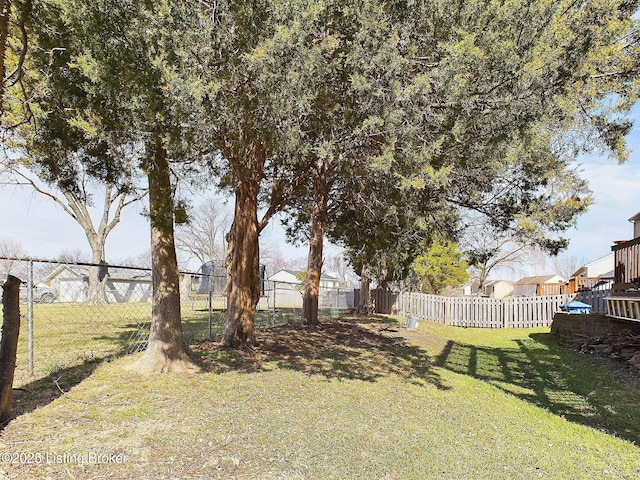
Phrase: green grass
(68, 334)
(352, 399)
(530, 365)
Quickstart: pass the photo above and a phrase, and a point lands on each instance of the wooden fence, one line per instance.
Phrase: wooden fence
(595, 298)
(516, 312)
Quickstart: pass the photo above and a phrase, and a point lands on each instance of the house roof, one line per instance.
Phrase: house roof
(496, 282)
(535, 280)
(82, 271)
(74, 271)
(635, 218)
(579, 272)
(295, 273)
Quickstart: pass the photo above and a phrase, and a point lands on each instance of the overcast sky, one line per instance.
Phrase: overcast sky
(45, 230)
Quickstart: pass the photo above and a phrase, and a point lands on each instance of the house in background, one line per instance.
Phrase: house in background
(492, 288)
(498, 288)
(595, 275)
(70, 282)
(470, 289)
(636, 225)
(539, 285)
(624, 301)
(290, 280)
(288, 288)
(601, 267)
(122, 285)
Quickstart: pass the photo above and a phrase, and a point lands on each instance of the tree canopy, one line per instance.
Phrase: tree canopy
(383, 123)
(439, 266)
(496, 100)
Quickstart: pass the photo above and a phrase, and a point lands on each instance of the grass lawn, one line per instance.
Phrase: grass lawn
(67, 334)
(353, 399)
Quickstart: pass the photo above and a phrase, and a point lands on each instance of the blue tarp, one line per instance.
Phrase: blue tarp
(576, 307)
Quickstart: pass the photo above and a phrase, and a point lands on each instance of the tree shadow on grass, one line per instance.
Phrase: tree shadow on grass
(590, 391)
(42, 391)
(343, 350)
(340, 349)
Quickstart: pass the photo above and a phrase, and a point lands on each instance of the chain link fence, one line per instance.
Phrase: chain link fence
(78, 312)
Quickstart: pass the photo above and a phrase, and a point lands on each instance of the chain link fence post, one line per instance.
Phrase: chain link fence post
(30, 317)
(210, 307)
(273, 309)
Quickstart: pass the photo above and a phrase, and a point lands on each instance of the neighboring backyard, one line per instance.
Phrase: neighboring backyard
(355, 398)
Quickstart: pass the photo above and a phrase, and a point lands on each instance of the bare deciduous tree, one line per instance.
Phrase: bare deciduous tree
(203, 236)
(489, 251)
(567, 265)
(142, 260)
(77, 204)
(10, 250)
(274, 260)
(73, 256)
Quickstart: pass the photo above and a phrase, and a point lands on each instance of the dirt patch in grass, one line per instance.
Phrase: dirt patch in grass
(340, 349)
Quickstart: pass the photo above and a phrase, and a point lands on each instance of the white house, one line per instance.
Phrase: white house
(538, 285)
(122, 285)
(287, 288)
(597, 274)
(636, 225)
(498, 288)
(70, 283)
(601, 267)
(289, 280)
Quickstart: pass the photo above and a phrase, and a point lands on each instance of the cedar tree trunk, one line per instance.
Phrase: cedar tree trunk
(9, 345)
(365, 307)
(166, 351)
(314, 262)
(243, 269)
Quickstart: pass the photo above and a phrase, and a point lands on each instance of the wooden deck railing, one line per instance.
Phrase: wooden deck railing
(627, 261)
(582, 284)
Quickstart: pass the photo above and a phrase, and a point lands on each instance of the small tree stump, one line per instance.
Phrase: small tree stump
(9, 343)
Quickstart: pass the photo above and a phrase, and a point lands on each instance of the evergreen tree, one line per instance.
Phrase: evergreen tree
(495, 100)
(118, 61)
